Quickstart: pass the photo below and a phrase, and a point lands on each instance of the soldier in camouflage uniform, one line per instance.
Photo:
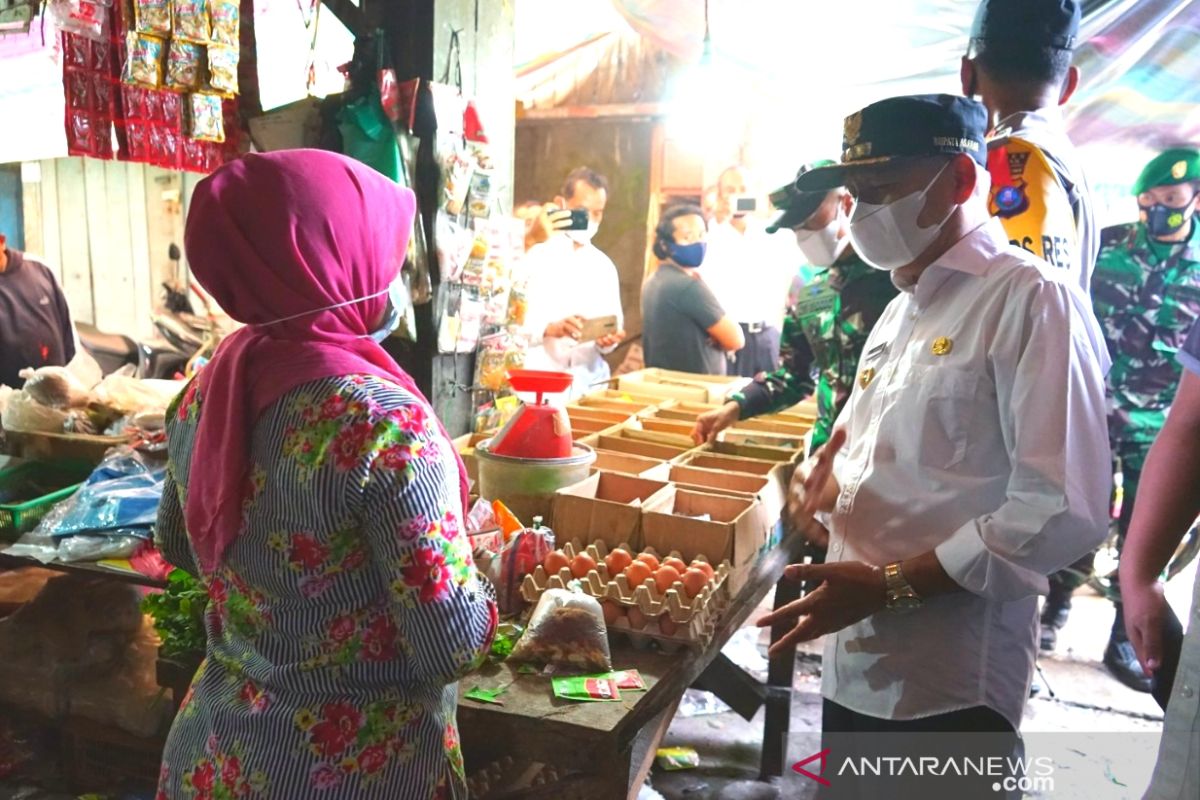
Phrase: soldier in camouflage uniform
(824, 332)
(1146, 293)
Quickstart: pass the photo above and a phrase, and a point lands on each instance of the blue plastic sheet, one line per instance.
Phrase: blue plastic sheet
(121, 496)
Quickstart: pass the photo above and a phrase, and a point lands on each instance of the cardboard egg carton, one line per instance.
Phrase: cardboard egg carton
(693, 617)
(697, 632)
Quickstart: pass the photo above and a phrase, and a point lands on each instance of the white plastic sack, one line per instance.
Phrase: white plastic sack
(56, 387)
(26, 415)
(132, 396)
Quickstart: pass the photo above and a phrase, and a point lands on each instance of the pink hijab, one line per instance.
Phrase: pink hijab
(281, 236)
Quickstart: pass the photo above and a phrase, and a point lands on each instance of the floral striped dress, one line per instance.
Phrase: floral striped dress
(340, 619)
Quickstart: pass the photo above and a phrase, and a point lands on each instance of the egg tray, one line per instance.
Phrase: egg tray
(697, 633)
(646, 597)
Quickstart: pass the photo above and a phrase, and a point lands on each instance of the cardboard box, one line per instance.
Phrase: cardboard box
(774, 496)
(605, 404)
(591, 425)
(673, 390)
(757, 452)
(773, 426)
(683, 386)
(770, 489)
(598, 415)
(676, 427)
(465, 445)
(619, 443)
(736, 529)
(624, 397)
(606, 506)
(624, 463)
(776, 441)
(640, 432)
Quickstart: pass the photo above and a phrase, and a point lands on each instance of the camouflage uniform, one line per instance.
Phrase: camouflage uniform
(823, 334)
(1146, 295)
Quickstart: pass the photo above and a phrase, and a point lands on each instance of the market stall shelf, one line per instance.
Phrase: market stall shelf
(605, 750)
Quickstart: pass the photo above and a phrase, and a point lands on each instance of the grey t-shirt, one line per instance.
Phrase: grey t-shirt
(677, 311)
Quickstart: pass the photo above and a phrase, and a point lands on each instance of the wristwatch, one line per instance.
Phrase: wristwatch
(901, 596)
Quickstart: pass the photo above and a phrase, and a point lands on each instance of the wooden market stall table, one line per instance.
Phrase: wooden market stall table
(604, 751)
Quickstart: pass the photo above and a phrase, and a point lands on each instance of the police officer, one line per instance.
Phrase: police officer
(1146, 294)
(824, 332)
(1019, 64)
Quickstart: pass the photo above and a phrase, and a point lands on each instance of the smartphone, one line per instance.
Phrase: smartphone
(579, 220)
(597, 328)
(746, 205)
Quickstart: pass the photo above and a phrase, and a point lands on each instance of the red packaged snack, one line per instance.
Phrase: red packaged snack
(172, 110)
(137, 137)
(79, 90)
(77, 51)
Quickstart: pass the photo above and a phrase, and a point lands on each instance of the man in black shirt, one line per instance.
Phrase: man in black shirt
(35, 323)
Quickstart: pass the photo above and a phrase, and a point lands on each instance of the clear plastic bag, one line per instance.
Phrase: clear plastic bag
(520, 557)
(567, 630)
(56, 387)
(98, 548)
(27, 415)
(133, 396)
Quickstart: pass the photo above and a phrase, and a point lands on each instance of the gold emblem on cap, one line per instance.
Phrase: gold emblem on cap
(942, 345)
(866, 376)
(1179, 170)
(853, 128)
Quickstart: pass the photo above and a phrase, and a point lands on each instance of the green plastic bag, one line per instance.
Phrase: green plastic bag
(368, 136)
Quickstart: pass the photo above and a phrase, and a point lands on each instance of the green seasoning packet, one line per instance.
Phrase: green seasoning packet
(587, 688)
(487, 695)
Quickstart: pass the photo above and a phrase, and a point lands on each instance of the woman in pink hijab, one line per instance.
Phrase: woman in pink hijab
(313, 491)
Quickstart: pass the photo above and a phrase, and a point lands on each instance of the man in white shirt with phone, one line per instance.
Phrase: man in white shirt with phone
(574, 294)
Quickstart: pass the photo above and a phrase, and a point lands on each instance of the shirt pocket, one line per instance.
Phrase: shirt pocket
(936, 404)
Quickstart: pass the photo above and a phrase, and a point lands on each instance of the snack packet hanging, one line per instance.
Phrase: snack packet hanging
(225, 16)
(153, 16)
(587, 689)
(205, 120)
(144, 63)
(223, 69)
(191, 20)
(185, 66)
(567, 629)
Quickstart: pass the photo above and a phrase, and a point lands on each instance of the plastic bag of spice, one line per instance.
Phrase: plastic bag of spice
(567, 630)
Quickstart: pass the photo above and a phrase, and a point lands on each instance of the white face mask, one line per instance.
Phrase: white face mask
(887, 236)
(584, 236)
(822, 248)
(397, 302)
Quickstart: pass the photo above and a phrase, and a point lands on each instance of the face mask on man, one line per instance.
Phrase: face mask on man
(887, 236)
(689, 255)
(583, 236)
(1163, 220)
(821, 248)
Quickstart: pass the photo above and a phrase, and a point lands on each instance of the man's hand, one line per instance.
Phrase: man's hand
(569, 328)
(1145, 614)
(611, 340)
(812, 490)
(712, 423)
(850, 591)
(554, 219)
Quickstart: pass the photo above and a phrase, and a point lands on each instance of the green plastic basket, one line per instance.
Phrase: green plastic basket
(19, 517)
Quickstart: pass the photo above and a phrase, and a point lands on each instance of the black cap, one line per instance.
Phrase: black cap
(915, 126)
(1048, 23)
(795, 204)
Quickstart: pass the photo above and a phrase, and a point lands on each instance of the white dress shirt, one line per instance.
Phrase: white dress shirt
(563, 281)
(994, 453)
(750, 273)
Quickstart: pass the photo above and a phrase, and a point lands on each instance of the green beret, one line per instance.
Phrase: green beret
(1179, 165)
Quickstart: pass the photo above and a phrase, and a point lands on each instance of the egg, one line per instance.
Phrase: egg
(665, 577)
(555, 562)
(667, 626)
(582, 564)
(617, 561)
(612, 612)
(649, 559)
(637, 620)
(676, 564)
(694, 581)
(705, 567)
(637, 573)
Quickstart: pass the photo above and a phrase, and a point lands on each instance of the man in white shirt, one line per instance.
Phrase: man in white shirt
(749, 271)
(571, 282)
(971, 460)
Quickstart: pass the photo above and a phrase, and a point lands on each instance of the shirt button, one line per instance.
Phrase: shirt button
(1187, 692)
(836, 548)
(912, 315)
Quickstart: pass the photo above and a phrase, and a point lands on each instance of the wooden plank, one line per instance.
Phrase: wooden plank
(72, 232)
(95, 194)
(31, 211)
(112, 285)
(51, 236)
(164, 224)
(139, 233)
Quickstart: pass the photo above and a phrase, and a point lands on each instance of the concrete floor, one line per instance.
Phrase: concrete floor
(1081, 698)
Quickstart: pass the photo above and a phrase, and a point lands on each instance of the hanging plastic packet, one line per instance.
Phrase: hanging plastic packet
(87, 18)
(587, 689)
(153, 16)
(225, 16)
(223, 69)
(191, 20)
(491, 372)
(456, 172)
(205, 120)
(479, 195)
(472, 273)
(518, 306)
(185, 66)
(144, 64)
